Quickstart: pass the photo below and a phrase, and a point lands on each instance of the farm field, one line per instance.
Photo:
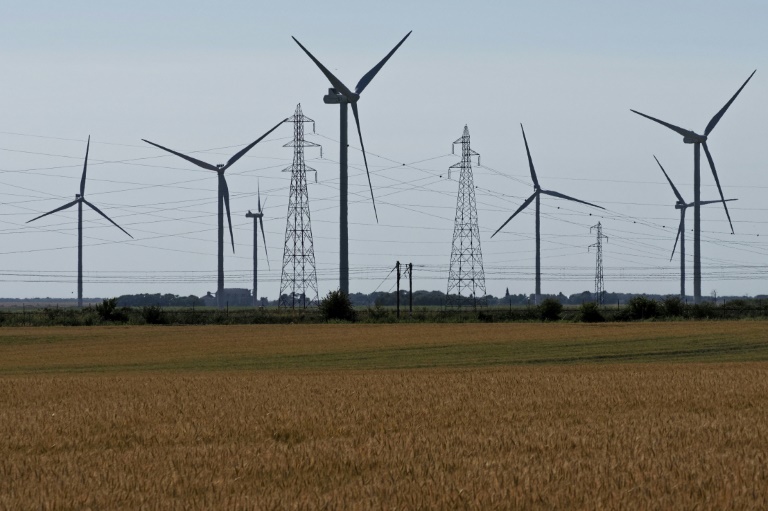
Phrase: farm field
(531, 416)
(36, 350)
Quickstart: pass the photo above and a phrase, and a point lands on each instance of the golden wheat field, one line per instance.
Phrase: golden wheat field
(535, 418)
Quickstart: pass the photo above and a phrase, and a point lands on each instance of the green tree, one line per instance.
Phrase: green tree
(550, 309)
(337, 305)
(641, 307)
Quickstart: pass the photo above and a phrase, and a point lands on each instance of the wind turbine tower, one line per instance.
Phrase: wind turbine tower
(683, 207)
(299, 276)
(599, 284)
(466, 277)
(258, 221)
(537, 192)
(80, 200)
(341, 95)
(223, 196)
(699, 141)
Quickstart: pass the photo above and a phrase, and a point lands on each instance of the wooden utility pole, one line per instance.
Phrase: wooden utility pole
(410, 288)
(397, 266)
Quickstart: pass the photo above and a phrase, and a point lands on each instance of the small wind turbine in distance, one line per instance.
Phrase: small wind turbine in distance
(537, 191)
(343, 96)
(690, 137)
(80, 200)
(223, 194)
(258, 220)
(683, 206)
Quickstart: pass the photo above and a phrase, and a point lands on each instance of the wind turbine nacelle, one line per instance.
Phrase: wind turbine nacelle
(333, 97)
(694, 138)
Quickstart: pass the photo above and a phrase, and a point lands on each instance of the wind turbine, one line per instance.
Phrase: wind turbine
(690, 137)
(343, 96)
(537, 191)
(683, 206)
(257, 219)
(80, 200)
(223, 194)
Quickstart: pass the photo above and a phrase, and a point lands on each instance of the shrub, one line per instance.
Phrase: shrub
(379, 314)
(739, 308)
(485, 317)
(153, 315)
(550, 310)
(589, 312)
(336, 305)
(106, 308)
(420, 315)
(673, 306)
(107, 311)
(641, 307)
(703, 310)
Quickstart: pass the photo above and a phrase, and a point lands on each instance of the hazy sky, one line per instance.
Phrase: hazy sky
(211, 77)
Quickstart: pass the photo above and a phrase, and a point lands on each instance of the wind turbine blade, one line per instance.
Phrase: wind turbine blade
(65, 206)
(717, 181)
(530, 160)
(249, 147)
(674, 128)
(563, 196)
(225, 193)
(97, 210)
(331, 78)
(719, 115)
(258, 197)
(85, 167)
(197, 162)
(263, 237)
(677, 194)
(367, 77)
(679, 231)
(360, 134)
(522, 207)
(704, 203)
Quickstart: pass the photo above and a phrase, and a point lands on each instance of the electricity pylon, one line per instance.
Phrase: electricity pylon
(298, 282)
(599, 284)
(466, 278)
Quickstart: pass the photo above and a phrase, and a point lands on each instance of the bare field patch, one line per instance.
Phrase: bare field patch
(370, 346)
(616, 436)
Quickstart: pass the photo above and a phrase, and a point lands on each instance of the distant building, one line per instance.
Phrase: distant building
(233, 297)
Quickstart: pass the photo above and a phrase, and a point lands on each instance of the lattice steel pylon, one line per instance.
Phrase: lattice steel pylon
(298, 282)
(466, 278)
(599, 284)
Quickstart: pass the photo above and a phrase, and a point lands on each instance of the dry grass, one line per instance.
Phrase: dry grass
(599, 437)
(144, 418)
